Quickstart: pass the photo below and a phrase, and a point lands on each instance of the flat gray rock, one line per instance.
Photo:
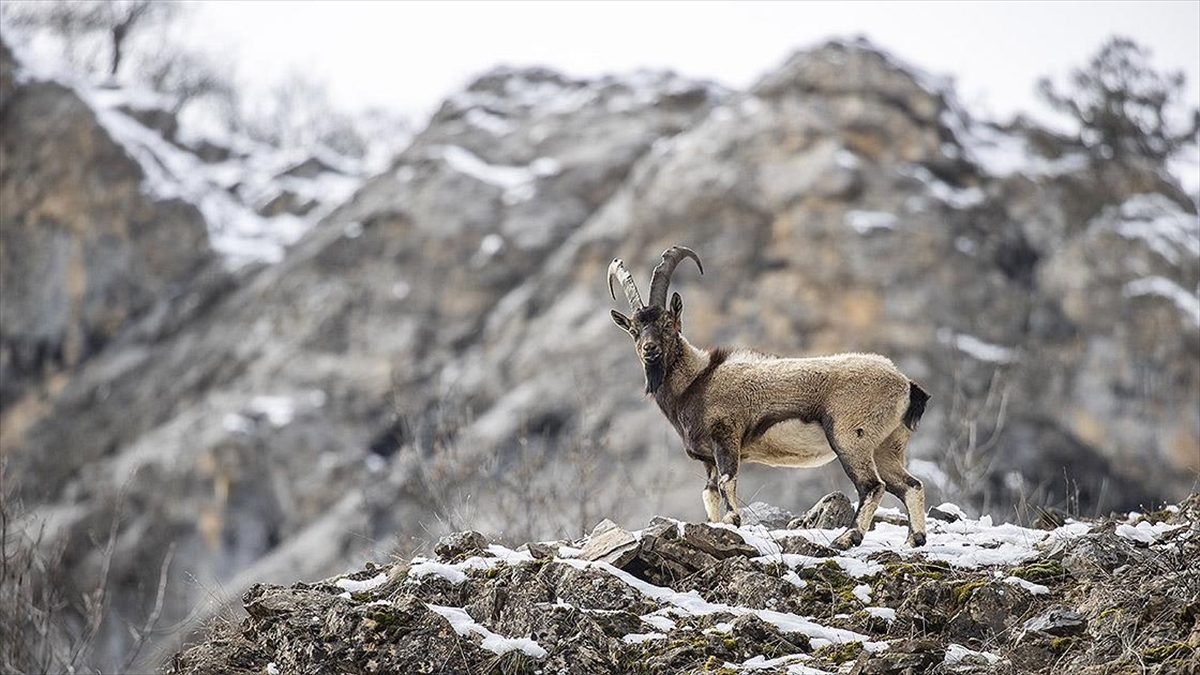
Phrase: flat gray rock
(1058, 622)
(612, 545)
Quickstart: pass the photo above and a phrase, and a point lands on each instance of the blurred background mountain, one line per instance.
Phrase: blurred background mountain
(262, 338)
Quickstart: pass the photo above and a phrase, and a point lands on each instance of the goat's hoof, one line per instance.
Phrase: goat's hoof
(916, 539)
(850, 538)
(733, 519)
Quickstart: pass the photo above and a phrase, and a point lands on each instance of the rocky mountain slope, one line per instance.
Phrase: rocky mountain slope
(115, 215)
(81, 254)
(434, 352)
(1108, 596)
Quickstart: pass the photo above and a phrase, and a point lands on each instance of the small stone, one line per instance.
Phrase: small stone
(541, 550)
(762, 513)
(1058, 622)
(1050, 519)
(674, 555)
(1095, 555)
(661, 528)
(986, 608)
(801, 546)
(460, 544)
(890, 519)
(831, 512)
(750, 629)
(904, 656)
(944, 516)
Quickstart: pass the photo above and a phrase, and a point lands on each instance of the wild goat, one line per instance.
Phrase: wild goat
(744, 406)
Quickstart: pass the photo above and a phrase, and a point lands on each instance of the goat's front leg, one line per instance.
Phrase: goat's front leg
(711, 495)
(725, 453)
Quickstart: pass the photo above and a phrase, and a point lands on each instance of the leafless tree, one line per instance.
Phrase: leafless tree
(1123, 105)
(299, 113)
(112, 21)
(186, 77)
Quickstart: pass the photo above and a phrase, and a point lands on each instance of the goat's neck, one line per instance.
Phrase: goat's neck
(690, 363)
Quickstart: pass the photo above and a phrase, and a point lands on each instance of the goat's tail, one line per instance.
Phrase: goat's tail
(916, 405)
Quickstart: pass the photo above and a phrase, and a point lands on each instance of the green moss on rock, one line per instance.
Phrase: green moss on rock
(1168, 652)
(1063, 643)
(841, 652)
(963, 592)
(1042, 570)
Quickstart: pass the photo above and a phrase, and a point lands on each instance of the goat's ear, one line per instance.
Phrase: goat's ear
(676, 306)
(622, 321)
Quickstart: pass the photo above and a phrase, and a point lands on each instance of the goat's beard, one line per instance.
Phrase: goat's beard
(655, 374)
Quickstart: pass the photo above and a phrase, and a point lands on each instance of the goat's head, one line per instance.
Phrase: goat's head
(654, 328)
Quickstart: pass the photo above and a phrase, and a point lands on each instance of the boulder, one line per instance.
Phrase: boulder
(988, 610)
(460, 545)
(832, 511)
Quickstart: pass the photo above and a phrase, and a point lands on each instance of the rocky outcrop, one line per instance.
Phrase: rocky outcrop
(741, 602)
(437, 354)
(83, 251)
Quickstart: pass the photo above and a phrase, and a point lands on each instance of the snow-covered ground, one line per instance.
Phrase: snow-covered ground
(968, 544)
(685, 597)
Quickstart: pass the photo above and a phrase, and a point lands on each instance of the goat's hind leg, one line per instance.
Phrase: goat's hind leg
(860, 467)
(889, 459)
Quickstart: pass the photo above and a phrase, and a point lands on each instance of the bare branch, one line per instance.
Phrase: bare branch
(152, 620)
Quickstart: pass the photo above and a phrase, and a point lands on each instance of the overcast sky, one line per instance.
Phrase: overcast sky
(408, 56)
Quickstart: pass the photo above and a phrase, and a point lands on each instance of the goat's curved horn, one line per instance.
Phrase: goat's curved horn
(617, 272)
(661, 278)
